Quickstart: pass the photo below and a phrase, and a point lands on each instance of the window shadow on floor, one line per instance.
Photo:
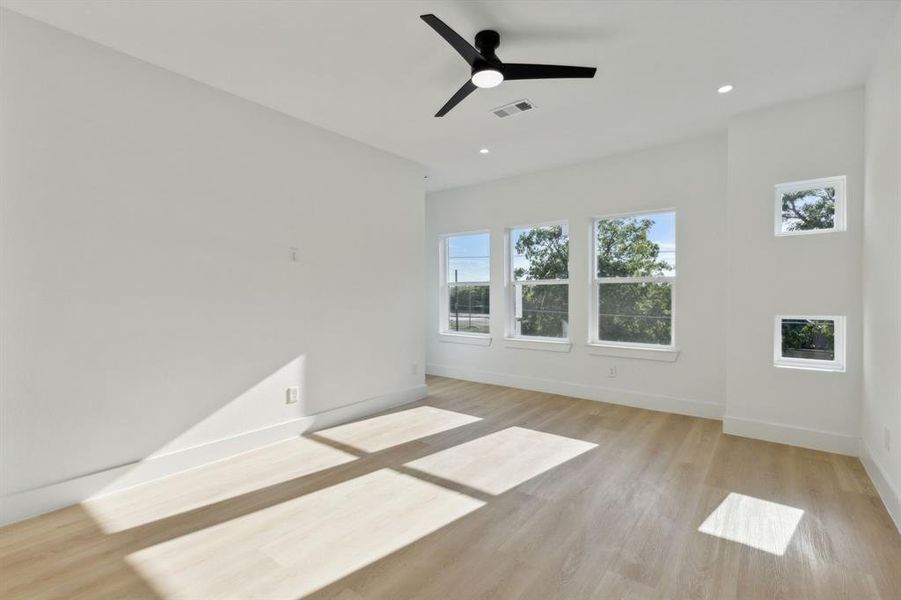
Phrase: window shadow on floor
(65, 554)
(109, 555)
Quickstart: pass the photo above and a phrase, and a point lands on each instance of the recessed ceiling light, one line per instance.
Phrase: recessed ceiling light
(725, 89)
(483, 151)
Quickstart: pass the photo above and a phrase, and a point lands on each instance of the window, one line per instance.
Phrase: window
(810, 342)
(539, 277)
(465, 306)
(634, 271)
(814, 206)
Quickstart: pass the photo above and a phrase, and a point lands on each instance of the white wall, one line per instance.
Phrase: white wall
(725, 366)
(814, 274)
(690, 177)
(881, 409)
(148, 300)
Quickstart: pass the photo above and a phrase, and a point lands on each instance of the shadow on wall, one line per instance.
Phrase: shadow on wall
(147, 284)
(259, 415)
(225, 431)
(83, 547)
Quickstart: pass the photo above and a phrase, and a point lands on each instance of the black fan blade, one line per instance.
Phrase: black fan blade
(468, 88)
(469, 54)
(520, 71)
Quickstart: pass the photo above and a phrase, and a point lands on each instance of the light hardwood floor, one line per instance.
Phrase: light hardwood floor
(479, 491)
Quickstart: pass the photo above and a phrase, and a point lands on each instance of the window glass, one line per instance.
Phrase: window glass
(812, 339)
(808, 209)
(637, 313)
(639, 246)
(542, 310)
(540, 253)
(468, 258)
(468, 308)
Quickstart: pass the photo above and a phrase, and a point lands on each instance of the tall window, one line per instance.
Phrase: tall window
(635, 268)
(465, 297)
(540, 281)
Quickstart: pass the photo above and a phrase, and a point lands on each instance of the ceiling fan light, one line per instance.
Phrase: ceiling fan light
(487, 78)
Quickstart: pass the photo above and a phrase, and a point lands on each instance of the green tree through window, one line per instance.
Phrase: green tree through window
(546, 250)
(806, 210)
(626, 250)
(807, 338)
(543, 309)
(638, 311)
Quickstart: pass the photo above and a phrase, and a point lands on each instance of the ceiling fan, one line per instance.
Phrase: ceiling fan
(487, 69)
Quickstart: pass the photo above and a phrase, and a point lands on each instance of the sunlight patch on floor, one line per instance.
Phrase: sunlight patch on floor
(215, 482)
(291, 549)
(502, 460)
(385, 431)
(760, 524)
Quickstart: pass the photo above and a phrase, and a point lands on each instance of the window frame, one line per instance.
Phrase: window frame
(595, 281)
(510, 283)
(839, 182)
(444, 286)
(837, 365)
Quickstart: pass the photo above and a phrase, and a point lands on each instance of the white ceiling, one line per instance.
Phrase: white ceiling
(373, 71)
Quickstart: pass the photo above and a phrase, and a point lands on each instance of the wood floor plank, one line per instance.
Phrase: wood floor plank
(480, 491)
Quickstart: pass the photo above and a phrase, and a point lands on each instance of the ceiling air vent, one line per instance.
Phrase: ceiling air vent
(513, 108)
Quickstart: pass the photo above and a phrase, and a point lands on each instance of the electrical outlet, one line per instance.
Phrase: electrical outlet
(888, 439)
(611, 372)
(292, 395)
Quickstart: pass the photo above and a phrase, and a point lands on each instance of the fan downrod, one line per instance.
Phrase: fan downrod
(487, 42)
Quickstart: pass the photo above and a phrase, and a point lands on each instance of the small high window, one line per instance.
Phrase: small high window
(806, 342)
(813, 206)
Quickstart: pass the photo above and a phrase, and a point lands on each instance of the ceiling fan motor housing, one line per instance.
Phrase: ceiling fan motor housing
(487, 42)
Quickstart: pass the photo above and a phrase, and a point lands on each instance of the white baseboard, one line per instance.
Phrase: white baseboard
(36, 501)
(364, 408)
(659, 402)
(889, 492)
(827, 441)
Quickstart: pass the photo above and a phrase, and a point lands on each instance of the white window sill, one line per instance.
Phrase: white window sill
(538, 344)
(658, 354)
(474, 339)
(807, 367)
(781, 233)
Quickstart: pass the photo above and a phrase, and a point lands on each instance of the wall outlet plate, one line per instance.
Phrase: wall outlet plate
(292, 395)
